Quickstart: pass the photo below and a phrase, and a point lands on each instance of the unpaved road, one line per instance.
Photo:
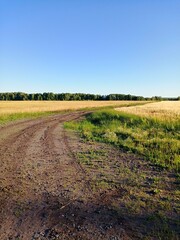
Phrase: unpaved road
(44, 192)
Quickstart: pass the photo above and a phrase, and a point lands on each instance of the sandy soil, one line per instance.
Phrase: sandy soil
(44, 192)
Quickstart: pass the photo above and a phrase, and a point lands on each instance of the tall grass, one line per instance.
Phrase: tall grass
(154, 139)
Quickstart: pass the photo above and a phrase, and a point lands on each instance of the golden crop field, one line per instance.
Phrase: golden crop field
(169, 110)
(10, 107)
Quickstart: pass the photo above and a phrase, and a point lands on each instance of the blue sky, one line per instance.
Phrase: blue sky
(92, 46)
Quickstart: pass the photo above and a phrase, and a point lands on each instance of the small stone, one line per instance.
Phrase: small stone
(36, 235)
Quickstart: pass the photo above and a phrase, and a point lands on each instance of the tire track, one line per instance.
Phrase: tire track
(14, 179)
(44, 189)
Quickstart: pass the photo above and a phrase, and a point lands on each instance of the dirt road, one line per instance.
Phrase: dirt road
(44, 191)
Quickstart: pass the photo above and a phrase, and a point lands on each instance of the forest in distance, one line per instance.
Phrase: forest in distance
(49, 96)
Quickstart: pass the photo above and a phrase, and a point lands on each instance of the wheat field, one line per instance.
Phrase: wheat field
(165, 110)
(11, 107)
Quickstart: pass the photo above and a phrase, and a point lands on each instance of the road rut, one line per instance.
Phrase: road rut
(44, 192)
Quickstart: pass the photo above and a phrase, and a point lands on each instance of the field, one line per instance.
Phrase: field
(89, 174)
(13, 110)
(9, 107)
(167, 110)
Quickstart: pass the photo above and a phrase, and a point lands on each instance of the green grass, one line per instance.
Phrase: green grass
(137, 191)
(156, 140)
(7, 118)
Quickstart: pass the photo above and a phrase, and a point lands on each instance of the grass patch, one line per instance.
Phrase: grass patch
(6, 118)
(136, 190)
(156, 140)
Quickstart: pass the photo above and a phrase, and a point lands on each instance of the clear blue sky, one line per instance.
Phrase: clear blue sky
(91, 46)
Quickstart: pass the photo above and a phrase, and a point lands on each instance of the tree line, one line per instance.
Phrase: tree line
(49, 96)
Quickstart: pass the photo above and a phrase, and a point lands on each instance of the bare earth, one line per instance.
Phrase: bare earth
(45, 193)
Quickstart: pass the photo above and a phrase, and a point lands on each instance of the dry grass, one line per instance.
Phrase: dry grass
(165, 110)
(11, 107)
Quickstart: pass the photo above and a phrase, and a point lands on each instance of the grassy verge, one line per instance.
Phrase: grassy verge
(154, 139)
(146, 197)
(6, 118)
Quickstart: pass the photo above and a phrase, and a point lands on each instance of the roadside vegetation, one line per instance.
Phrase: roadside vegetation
(133, 161)
(11, 117)
(145, 197)
(156, 140)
